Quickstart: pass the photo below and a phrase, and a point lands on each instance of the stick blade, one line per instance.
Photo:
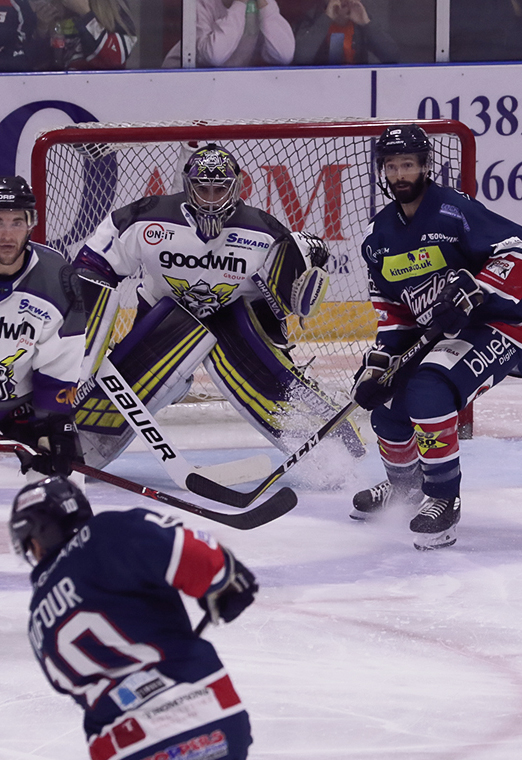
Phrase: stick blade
(240, 471)
(210, 489)
(276, 506)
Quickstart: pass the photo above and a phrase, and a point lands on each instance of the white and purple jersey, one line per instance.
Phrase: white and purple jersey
(159, 237)
(42, 333)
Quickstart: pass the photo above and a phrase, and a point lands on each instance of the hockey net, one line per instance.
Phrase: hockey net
(313, 176)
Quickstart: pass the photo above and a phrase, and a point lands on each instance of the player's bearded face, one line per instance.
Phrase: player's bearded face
(14, 232)
(406, 177)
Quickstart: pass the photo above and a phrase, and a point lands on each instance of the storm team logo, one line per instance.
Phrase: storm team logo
(200, 299)
(7, 384)
(213, 160)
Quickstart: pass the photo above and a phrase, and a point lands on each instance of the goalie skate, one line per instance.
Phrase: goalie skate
(435, 524)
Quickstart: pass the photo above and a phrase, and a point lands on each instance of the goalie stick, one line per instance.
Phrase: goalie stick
(204, 487)
(276, 506)
(150, 433)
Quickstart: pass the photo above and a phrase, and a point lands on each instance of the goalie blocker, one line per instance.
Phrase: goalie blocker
(159, 355)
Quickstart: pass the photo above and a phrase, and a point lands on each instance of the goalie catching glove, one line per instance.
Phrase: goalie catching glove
(313, 249)
(309, 290)
(293, 279)
(452, 309)
(367, 391)
(234, 593)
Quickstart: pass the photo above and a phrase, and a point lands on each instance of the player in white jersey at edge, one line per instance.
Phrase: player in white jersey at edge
(109, 628)
(219, 279)
(42, 337)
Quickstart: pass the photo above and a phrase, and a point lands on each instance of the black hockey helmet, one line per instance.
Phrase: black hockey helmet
(407, 138)
(15, 193)
(215, 168)
(51, 511)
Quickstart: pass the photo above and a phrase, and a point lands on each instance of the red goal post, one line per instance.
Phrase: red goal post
(316, 176)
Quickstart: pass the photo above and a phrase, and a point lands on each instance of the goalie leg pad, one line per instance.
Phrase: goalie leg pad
(157, 359)
(265, 387)
(103, 310)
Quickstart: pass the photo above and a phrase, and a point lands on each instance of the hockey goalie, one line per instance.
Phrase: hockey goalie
(218, 280)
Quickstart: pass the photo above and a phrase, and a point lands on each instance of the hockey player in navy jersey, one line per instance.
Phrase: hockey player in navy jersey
(436, 258)
(42, 336)
(219, 279)
(109, 628)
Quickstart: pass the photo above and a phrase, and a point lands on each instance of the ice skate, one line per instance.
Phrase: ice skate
(435, 524)
(372, 501)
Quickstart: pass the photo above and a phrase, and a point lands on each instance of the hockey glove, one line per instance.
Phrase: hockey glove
(308, 292)
(233, 594)
(309, 289)
(367, 391)
(313, 248)
(64, 448)
(452, 309)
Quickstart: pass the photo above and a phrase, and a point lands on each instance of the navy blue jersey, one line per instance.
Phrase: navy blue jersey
(108, 624)
(410, 260)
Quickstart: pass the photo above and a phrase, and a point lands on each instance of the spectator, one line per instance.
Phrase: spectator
(83, 34)
(238, 33)
(17, 26)
(340, 32)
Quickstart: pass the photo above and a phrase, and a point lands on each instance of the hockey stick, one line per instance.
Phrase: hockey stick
(277, 505)
(205, 620)
(150, 433)
(204, 487)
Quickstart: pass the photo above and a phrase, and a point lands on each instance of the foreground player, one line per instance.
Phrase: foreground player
(42, 335)
(219, 279)
(109, 627)
(436, 258)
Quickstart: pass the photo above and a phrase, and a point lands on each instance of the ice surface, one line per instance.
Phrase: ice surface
(358, 647)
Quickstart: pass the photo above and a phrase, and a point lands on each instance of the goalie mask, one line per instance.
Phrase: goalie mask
(407, 139)
(212, 182)
(50, 511)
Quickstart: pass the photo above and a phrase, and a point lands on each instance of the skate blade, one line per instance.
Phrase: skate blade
(429, 541)
(356, 514)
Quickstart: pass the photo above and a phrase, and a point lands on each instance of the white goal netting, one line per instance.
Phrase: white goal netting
(313, 176)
